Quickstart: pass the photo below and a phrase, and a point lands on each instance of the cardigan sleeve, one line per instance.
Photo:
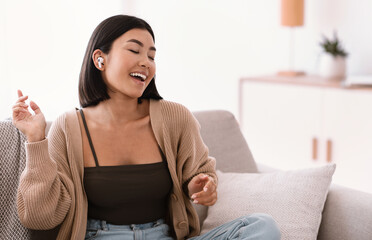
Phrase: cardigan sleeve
(45, 187)
(193, 153)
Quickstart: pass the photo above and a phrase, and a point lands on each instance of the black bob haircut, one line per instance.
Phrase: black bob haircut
(92, 88)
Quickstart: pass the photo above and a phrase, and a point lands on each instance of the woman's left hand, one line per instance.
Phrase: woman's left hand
(203, 190)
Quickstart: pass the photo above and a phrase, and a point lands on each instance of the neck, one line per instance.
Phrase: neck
(119, 111)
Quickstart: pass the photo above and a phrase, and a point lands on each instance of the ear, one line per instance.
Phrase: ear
(96, 54)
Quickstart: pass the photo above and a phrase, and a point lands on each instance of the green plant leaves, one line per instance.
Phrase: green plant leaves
(333, 47)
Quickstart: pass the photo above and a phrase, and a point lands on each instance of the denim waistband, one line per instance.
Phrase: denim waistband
(94, 224)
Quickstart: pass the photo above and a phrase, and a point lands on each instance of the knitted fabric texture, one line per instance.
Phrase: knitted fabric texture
(12, 163)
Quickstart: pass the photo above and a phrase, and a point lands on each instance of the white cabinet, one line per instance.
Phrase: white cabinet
(290, 126)
(347, 123)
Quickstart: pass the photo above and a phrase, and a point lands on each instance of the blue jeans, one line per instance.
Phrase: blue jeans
(251, 227)
(97, 229)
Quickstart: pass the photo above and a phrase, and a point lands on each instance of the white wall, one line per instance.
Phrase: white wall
(4, 89)
(204, 46)
(43, 49)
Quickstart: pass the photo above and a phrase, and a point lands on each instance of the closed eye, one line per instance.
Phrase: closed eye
(138, 52)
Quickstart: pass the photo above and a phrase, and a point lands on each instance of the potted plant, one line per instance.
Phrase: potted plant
(333, 60)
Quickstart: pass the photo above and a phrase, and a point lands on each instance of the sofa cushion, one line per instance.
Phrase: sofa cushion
(295, 199)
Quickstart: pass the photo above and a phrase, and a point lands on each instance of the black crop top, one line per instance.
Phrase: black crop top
(126, 194)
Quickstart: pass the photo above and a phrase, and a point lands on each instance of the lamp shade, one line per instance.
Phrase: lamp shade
(292, 13)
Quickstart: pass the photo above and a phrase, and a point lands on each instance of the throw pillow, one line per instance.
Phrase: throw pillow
(295, 199)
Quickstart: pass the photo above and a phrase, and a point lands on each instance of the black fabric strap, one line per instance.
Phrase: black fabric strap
(163, 157)
(89, 138)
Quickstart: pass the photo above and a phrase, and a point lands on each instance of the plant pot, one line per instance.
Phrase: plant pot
(332, 67)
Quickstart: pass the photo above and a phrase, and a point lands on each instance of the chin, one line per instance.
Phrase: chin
(135, 96)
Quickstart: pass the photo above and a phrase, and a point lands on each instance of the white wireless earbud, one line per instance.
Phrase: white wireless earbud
(100, 61)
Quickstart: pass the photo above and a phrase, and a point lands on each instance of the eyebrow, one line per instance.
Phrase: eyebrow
(140, 43)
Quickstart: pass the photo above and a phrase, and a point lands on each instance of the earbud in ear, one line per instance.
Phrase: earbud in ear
(100, 61)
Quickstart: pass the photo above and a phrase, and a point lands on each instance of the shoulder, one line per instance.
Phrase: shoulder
(65, 120)
(173, 112)
(175, 117)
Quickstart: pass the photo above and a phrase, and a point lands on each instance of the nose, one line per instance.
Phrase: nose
(144, 62)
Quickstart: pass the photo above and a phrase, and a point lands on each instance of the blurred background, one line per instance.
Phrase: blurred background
(204, 46)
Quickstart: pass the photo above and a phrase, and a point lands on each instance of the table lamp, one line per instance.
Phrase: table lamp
(292, 15)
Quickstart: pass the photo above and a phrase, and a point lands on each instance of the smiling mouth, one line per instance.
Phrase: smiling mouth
(138, 76)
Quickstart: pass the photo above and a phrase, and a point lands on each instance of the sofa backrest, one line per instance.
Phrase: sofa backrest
(221, 133)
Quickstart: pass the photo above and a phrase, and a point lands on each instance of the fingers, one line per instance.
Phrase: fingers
(209, 194)
(20, 107)
(35, 107)
(201, 178)
(20, 103)
(209, 186)
(205, 193)
(210, 203)
(205, 199)
(19, 110)
(20, 94)
(205, 183)
(21, 98)
(19, 113)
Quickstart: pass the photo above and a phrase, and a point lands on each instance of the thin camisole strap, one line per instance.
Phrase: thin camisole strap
(163, 157)
(89, 138)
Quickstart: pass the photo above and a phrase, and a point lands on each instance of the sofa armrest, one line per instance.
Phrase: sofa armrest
(347, 214)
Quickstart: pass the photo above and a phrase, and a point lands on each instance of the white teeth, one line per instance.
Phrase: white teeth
(138, 75)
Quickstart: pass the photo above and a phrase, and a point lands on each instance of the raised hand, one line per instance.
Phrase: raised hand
(203, 190)
(31, 125)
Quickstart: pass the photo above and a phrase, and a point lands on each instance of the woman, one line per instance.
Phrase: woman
(127, 164)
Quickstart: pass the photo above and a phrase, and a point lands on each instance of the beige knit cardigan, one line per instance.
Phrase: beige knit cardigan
(51, 190)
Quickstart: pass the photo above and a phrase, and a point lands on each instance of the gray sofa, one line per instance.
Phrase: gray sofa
(347, 213)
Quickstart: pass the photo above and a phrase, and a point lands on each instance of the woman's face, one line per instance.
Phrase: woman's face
(130, 66)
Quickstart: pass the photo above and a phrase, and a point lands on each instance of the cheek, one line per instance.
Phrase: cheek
(115, 66)
(153, 69)
(152, 74)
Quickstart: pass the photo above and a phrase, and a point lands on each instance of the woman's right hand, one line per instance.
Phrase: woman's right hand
(31, 125)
